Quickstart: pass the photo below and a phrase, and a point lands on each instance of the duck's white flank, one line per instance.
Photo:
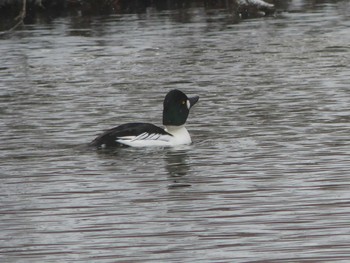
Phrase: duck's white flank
(179, 136)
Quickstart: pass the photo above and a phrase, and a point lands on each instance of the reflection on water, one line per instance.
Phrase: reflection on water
(265, 179)
(177, 165)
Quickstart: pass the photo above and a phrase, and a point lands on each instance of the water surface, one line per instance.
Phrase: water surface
(267, 175)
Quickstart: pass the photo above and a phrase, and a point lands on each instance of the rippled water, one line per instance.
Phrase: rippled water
(267, 177)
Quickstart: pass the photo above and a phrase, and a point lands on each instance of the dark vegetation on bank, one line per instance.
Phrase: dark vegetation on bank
(104, 7)
(14, 13)
(17, 12)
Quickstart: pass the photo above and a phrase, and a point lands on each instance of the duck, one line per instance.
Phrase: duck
(176, 108)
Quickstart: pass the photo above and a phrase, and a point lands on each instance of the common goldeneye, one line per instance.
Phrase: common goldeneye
(176, 108)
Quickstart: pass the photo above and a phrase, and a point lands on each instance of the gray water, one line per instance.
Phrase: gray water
(266, 178)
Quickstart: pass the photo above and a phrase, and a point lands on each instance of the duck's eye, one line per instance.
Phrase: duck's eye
(183, 102)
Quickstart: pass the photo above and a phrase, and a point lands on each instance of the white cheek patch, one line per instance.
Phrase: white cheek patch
(188, 103)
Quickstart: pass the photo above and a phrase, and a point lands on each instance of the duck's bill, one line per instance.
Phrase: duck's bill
(193, 100)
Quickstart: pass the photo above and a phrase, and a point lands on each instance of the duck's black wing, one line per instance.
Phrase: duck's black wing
(130, 131)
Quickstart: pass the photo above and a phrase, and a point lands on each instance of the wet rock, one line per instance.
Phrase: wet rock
(255, 8)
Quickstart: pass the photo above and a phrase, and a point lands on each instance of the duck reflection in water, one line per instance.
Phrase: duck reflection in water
(177, 165)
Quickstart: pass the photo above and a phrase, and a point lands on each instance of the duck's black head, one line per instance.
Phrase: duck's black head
(177, 107)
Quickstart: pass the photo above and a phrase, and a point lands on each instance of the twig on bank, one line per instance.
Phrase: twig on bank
(19, 18)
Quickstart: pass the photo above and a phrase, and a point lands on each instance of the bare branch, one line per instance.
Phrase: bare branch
(19, 18)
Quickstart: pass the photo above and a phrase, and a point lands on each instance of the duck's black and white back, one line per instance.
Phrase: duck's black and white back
(175, 112)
